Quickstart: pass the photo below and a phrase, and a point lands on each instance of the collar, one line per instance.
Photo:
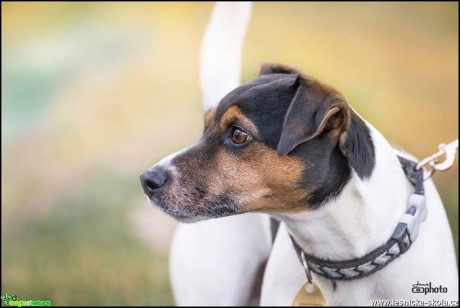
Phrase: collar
(403, 236)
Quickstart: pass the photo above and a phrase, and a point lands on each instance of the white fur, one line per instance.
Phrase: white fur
(361, 219)
(166, 162)
(221, 50)
(215, 262)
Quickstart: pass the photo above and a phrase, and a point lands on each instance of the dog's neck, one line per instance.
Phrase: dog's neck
(362, 217)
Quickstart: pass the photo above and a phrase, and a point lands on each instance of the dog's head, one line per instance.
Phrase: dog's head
(284, 142)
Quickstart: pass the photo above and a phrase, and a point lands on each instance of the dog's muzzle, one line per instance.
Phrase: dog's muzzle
(153, 180)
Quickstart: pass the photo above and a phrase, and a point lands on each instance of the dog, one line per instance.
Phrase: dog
(288, 145)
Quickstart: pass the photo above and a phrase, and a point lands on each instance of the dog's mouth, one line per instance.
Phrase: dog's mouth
(180, 216)
(192, 210)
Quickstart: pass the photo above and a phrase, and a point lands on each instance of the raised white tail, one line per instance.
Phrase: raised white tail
(220, 70)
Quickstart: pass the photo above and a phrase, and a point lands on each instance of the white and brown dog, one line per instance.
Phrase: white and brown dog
(288, 145)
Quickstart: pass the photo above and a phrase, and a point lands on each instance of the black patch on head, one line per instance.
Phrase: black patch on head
(326, 172)
(263, 101)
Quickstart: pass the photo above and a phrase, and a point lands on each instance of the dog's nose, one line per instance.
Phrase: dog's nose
(153, 179)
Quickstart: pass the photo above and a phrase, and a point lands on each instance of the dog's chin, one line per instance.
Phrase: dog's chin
(178, 215)
(189, 219)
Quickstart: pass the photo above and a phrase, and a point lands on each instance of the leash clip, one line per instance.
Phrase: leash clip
(447, 150)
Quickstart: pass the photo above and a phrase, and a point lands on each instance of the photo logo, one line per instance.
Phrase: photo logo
(427, 288)
(12, 300)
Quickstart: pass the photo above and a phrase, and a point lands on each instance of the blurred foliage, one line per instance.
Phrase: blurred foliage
(94, 93)
(81, 252)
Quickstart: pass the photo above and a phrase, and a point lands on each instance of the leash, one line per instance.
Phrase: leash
(448, 151)
(403, 236)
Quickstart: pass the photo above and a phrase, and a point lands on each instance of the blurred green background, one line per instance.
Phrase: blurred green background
(94, 93)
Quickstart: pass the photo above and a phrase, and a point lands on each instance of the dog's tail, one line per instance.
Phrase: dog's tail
(221, 50)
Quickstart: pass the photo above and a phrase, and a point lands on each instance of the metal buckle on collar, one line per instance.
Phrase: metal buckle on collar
(410, 222)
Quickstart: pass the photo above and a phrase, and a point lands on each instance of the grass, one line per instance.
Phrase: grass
(83, 253)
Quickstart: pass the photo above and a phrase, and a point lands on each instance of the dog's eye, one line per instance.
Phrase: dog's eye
(238, 136)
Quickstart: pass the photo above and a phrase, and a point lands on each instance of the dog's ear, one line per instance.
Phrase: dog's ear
(275, 68)
(318, 109)
(315, 109)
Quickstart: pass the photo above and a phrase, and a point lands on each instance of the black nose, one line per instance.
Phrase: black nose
(153, 179)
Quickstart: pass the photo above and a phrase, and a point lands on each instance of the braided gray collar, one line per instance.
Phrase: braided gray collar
(403, 236)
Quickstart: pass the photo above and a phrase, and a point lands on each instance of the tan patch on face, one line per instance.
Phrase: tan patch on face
(234, 116)
(260, 179)
(209, 117)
